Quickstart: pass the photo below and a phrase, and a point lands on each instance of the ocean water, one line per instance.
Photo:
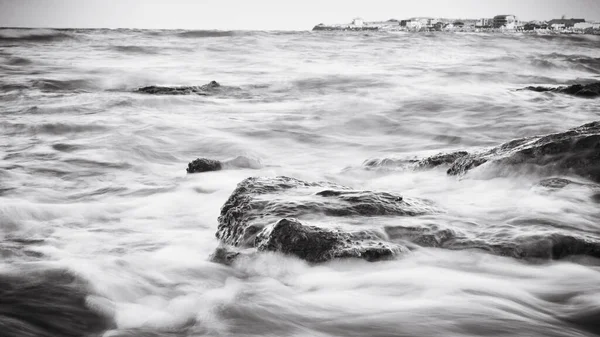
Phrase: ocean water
(98, 214)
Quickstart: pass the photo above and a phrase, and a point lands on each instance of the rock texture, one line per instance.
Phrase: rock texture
(295, 217)
(581, 90)
(204, 90)
(576, 151)
(264, 212)
(440, 159)
(204, 165)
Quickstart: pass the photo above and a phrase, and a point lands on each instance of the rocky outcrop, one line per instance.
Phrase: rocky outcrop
(576, 151)
(581, 90)
(204, 90)
(269, 214)
(295, 217)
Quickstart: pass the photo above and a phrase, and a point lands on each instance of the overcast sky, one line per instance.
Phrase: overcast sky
(269, 14)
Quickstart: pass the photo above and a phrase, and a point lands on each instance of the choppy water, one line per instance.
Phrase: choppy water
(95, 200)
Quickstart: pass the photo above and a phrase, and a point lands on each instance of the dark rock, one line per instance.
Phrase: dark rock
(204, 165)
(581, 90)
(203, 90)
(441, 159)
(48, 303)
(263, 212)
(315, 244)
(576, 151)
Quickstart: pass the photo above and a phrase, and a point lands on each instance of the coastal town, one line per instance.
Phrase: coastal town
(498, 23)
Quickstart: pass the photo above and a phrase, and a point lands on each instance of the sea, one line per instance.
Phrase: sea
(103, 233)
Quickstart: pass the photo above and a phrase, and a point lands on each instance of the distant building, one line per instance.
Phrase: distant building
(505, 21)
(484, 23)
(587, 25)
(564, 23)
(358, 22)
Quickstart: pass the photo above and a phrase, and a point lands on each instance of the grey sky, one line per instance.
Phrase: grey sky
(269, 14)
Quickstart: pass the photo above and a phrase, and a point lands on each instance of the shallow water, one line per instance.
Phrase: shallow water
(93, 180)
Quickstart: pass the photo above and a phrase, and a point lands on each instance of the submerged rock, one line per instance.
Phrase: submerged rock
(264, 213)
(580, 90)
(204, 90)
(576, 151)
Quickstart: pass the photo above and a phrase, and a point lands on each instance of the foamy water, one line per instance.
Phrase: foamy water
(93, 180)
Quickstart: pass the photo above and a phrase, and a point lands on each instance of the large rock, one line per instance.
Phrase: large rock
(322, 221)
(576, 151)
(269, 214)
(581, 90)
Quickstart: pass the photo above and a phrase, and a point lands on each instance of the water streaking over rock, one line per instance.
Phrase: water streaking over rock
(320, 161)
(587, 90)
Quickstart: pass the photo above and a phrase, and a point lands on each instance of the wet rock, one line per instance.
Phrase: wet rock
(440, 159)
(204, 165)
(581, 90)
(47, 303)
(204, 90)
(576, 151)
(223, 255)
(266, 213)
(207, 165)
(315, 244)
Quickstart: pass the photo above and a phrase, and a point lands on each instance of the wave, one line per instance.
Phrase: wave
(205, 33)
(135, 49)
(17, 61)
(63, 85)
(33, 35)
(47, 128)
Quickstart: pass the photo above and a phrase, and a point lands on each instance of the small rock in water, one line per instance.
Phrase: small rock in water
(204, 165)
(203, 90)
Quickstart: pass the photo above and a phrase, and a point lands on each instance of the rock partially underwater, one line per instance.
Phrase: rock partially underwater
(212, 88)
(573, 152)
(580, 90)
(321, 221)
(576, 151)
(200, 165)
(270, 214)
